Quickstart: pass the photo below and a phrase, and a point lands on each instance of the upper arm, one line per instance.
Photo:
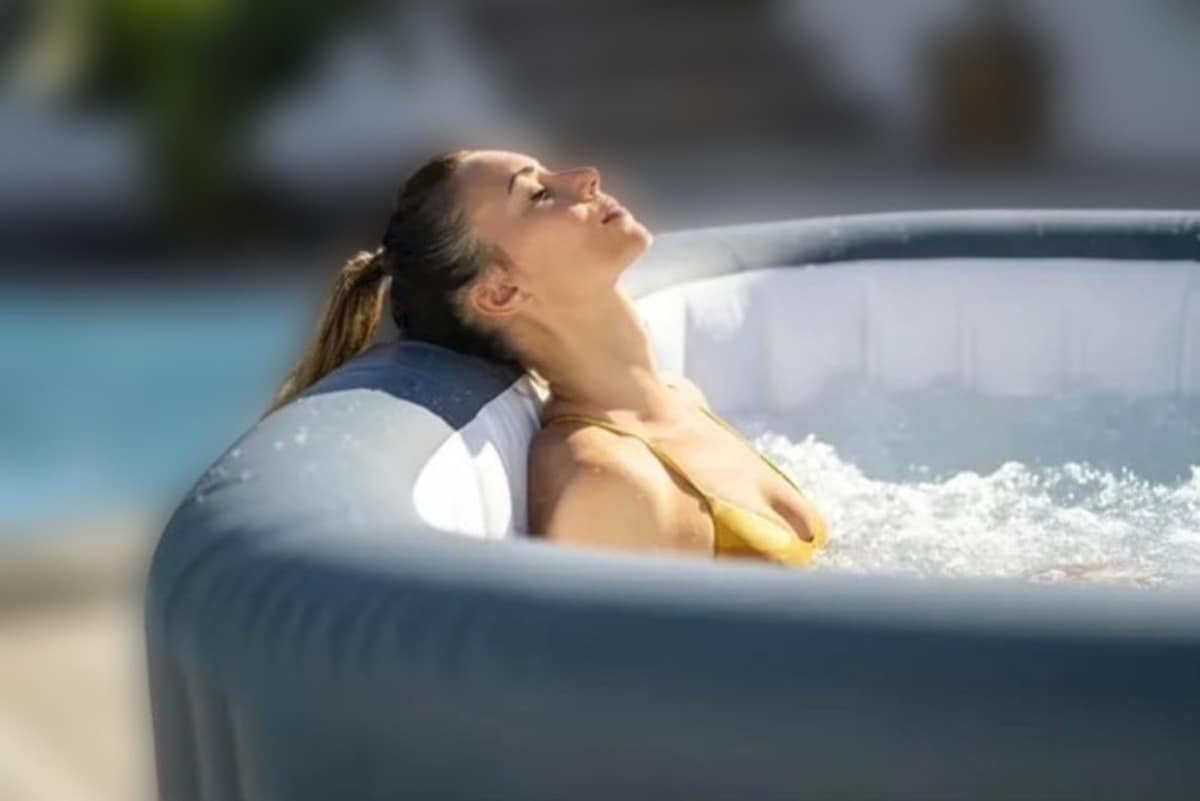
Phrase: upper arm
(584, 495)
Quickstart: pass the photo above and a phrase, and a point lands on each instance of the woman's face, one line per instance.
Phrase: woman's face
(564, 238)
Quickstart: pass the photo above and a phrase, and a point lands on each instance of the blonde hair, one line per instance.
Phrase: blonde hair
(347, 325)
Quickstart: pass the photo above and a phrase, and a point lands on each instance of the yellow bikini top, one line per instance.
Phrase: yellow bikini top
(737, 531)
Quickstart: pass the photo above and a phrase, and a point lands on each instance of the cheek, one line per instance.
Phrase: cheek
(555, 235)
(558, 246)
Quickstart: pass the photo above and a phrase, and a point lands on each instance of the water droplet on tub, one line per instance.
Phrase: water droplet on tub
(301, 436)
(236, 453)
(278, 444)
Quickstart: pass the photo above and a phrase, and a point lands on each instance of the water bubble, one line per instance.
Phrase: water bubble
(1040, 517)
(236, 453)
(278, 444)
(301, 436)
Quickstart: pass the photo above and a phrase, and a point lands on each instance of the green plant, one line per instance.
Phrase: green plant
(196, 72)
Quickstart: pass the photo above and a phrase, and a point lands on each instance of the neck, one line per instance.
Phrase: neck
(600, 359)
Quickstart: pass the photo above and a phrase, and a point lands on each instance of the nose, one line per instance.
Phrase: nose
(587, 182)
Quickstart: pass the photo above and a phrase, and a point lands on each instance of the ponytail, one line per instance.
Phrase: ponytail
(429, 255)
(348, 323)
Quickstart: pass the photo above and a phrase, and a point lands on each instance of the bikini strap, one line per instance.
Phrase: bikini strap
(770, 462)
(671, 464)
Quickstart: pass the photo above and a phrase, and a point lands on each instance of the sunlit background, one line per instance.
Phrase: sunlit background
(180, 180)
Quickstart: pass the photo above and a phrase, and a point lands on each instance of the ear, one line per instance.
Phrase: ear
(494, 294)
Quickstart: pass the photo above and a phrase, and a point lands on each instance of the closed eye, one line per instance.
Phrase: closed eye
(540, 195)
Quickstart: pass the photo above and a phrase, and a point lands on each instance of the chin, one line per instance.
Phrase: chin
(645, 235)
(639, 235)
(636, 242)
(627, 245)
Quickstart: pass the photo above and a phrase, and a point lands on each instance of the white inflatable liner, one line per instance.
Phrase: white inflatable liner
(773, 340)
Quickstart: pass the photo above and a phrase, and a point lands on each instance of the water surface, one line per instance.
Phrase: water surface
(945, 483)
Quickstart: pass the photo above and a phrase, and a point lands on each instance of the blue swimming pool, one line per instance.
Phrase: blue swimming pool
(113, 399)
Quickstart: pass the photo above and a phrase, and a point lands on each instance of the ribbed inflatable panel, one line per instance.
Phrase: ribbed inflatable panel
(345, 605)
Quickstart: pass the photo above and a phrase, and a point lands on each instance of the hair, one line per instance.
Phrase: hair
(428, 257)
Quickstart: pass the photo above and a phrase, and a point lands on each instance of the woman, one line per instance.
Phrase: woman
(491, 253)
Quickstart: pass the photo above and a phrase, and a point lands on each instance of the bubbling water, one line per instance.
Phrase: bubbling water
(946, 484)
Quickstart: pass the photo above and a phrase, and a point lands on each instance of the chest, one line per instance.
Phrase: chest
(710, 460)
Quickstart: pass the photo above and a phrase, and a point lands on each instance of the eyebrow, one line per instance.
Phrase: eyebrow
(526, 170)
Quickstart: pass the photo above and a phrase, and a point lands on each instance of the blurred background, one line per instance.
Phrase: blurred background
(180, 180)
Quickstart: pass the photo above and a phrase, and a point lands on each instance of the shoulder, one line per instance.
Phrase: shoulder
(590, 486)
(566, 445)
(582, 457)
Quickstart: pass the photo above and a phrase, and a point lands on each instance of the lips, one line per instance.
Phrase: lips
(610, 211)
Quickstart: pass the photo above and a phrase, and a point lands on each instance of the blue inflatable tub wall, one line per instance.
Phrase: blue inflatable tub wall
(344, 608)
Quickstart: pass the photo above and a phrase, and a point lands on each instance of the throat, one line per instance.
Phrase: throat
(601, 361)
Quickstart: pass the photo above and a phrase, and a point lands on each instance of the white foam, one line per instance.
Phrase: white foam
(949, 484)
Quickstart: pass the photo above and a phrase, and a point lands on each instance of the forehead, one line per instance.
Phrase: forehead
(483, 176)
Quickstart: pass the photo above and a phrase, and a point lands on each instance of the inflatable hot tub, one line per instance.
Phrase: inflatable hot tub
(345, 605)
